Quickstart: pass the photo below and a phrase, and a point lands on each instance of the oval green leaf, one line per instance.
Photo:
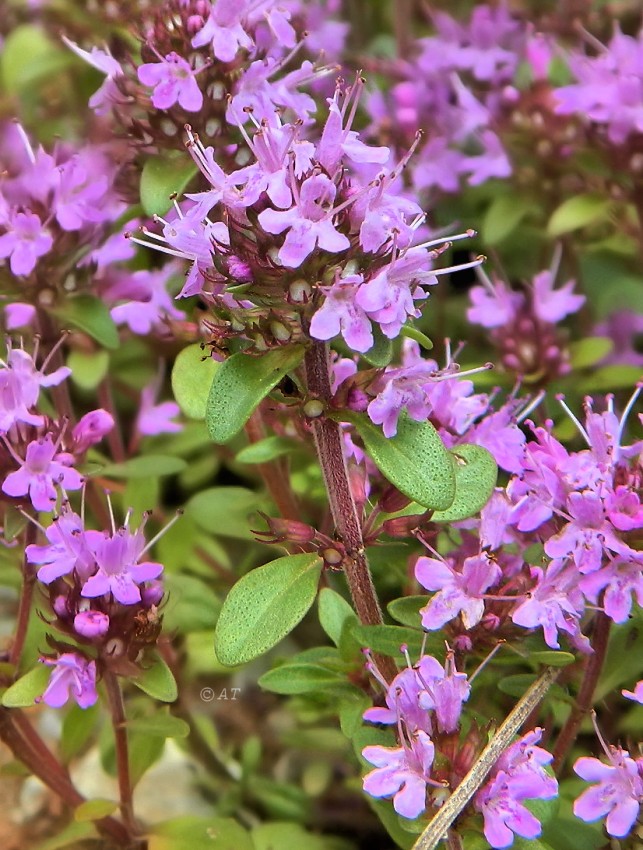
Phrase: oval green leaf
(334, 613)
(24, 692)
(162, 177)
(415, 460)
(264, 606)
(225, 510)
(476, 474)
(157, 681)
(301, 679)
(160, 725)
(88, 368)
(578, 212)
(407, 609)
(91, 316)
(92, 810)
(503, 217)
(240, 384)
(192, 376)
(266, 450)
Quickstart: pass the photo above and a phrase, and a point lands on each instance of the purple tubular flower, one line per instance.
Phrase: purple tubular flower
(104, 62)
(25, 242)
(72, 676)
(518, 775)
(67, 550)
(340, 313)
(173, 79)
(636, 694)
(309, 223)
(401, 772)
(119, 572)
(458, 593)
(617, 794)
(42, 467)
(224, 31)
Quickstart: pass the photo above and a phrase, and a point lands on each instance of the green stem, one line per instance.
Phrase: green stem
(26, 599)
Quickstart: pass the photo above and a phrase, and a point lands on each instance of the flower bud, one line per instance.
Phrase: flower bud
(393, 501)
(282, 530)
(91, 624)
(91, 429)
(152, 593)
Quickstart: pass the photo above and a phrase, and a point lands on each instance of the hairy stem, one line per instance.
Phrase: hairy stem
(122, 750)
(26, 599)
(328, 441)
(584, 700)
(27, 746)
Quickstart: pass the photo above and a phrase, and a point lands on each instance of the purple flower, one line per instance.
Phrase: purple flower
(617, 794)
(458, 593)
(91, 624)
(19, 315)
(43, 466)
(72, 676)
(340, 313)
(555, 603)
(148, 306)
(173, 80)
(552, 305)
(91, 429)
(636, 694)
(445, 693)
(118, 569)
(621, 580)
(24, 242)
(402, 698)
(494, 305)
(224, 31)
(67, 550)
(104, 62)
(309, 223)
(518, 775)
(82, 194)
(154, 418)
(20, 383)
(401, 772)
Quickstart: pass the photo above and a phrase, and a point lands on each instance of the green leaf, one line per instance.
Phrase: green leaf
(588, 352)
(264, 606)
(552, 658)
(92, 810)
(73, 835)
(381, 352)
(503, 216)
(88, 368)
(91, 316)
(160, 725)
(29, 55)
(609, 378)
(407, 609)
(476, 473)
(192, 376)
(240, 384)
(198, 833)
(78, 727)
(157, 681)
(267, 449)
(301, 679)
(145, 466)
(24, 692)
(411, 332)
(225, 510)
(387, 640)
(578, 212)
(163, 176)
(414, 460)
(334, 613)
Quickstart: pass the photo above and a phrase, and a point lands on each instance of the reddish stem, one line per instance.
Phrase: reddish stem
(328, 441)
(119, 721)
(277, 483)
(26, 599)
(591, 673)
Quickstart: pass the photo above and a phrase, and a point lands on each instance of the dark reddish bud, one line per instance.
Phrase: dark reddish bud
(402, 526)
(286, 531)
(393, 501)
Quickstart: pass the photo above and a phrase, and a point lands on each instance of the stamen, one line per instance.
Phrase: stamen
(54, 349)
(111, 512)
(531, 406)
(484, 663)
(461, 267)
(628, 409)
(32, 520)
(468, 234)
(163, 531)
(560, 398)
(24, 138)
